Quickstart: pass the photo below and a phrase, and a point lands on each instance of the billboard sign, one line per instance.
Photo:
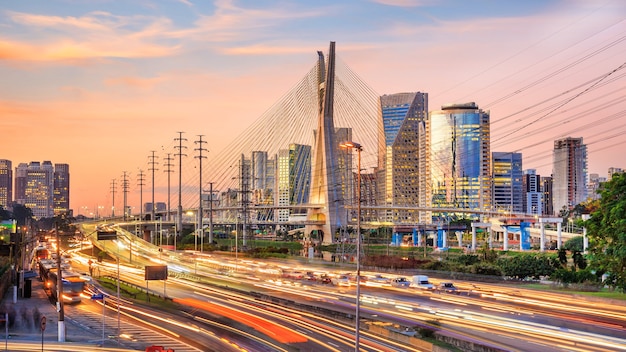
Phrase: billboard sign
(156, 272)
(107, 235)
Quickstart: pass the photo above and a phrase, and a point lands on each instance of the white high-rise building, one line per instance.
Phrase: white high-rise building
(569, 173)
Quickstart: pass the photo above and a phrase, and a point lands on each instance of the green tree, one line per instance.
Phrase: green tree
(4, 214)
(574, 244)
(607, 232)
(579, 261)
(562, 254)
(22, 214)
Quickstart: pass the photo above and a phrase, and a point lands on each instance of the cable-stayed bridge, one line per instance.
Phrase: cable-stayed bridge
(287, 168)
(288, 164)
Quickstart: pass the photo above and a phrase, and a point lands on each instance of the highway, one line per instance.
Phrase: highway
(512, 319)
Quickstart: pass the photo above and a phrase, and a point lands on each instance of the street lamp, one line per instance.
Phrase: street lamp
(358, 148)
(237, 241)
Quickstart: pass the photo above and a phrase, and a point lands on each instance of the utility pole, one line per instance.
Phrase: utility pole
(113, 203)
(125, 192)
(61, 323)
(180, 155)
(200, 149)
(152, 162)
(168, 168)
(245, 188)
(140, 183)
(211, 212)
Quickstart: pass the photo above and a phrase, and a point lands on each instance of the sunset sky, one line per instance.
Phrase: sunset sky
(100, 84)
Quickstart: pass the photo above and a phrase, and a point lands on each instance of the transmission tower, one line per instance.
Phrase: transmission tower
(113, 203)
(168, 168)
(244, 179)
(125, 191)
(152, 162)
(200, 149)
(211, 211)
(180, 139)
(140, 183)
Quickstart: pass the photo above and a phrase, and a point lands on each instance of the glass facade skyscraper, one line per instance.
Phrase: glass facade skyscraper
(293, 178)
(507, 174)
(533, 192)
(403, 117)
(61, 191)
(6, 183)
(460, 157)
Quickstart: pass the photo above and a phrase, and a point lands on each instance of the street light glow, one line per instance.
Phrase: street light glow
(351, 145)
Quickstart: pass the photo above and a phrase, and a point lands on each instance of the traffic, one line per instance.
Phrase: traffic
(410, 301)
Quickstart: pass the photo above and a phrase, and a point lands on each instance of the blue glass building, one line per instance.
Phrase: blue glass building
(460, 158)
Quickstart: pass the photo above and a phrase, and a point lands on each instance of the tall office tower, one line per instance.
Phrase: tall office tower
(20, 183)
(263, 177)
(34, 187)
(61, 190)
(569, 173)
(507, 182)
(403, 114)
(614, 170)
(346, 169)
(6, 183)
(532, 192)
(263, 180)
(548, 195)
(293, 179)
(460, 157)
(369, 196)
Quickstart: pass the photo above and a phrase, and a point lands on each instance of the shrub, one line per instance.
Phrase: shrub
(486, 269)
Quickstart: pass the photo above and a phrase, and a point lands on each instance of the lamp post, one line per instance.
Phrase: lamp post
(61, 310)
(357, 325)
(236, 242)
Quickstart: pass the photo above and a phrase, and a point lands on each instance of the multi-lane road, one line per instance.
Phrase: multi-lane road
(278, 316)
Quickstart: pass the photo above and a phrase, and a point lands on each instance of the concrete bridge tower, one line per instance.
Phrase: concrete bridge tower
(326, 186)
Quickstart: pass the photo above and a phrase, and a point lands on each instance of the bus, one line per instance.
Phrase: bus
(41, 252)
(73, 286)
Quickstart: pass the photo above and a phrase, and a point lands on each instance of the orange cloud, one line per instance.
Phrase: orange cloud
(70, 50)
(135, 82)
(93, 36)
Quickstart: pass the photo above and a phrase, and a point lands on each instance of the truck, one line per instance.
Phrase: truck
(421, 281)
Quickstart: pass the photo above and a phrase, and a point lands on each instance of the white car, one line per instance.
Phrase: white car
(341, 280)
(401, 282)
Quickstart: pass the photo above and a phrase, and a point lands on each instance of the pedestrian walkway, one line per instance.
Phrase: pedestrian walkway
(25, 317)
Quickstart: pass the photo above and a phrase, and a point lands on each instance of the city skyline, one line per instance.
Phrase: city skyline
(100, 85)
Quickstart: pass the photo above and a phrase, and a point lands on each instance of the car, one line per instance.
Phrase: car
(400, 282)
(376, 281)
(324, 279)
(341, 280)
(447, 287)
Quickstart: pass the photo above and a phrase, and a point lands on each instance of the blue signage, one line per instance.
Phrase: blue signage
(97, 297)
(524, 228)
(440, 234)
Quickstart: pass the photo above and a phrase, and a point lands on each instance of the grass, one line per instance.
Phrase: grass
(136, 295)
(602, 293)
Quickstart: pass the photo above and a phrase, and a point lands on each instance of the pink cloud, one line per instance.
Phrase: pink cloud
(403, 3)
(135, 82)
